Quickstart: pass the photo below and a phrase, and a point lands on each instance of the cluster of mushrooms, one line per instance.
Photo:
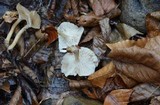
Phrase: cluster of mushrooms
(77, 60)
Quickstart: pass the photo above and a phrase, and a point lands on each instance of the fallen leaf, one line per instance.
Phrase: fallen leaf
(118, 97)
(79, 84)
(15, 98)
(105, 28)
(137, 61)
(127, 30)
(153, 24)
(29, 72)
(155, 101)
(89, 20)
(99, 77)
(95, 31)
(144, 91)
(101, 7)
(97, 7)
(52, 34)
(6, 86)
(98, 46)
(108, 5)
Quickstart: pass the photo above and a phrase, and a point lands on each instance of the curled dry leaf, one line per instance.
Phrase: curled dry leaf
(118, 97)
(101, 7)
(79, 84)
(15, 98)
(91, 34)
(68, 35)
(10, 16)
(81, 61)
(6, 86)
(155, 101)
(137, 61)
(127, 30)
(144, 91)
(99, 77)
(89, 20)
(51, 33)
(152, 24)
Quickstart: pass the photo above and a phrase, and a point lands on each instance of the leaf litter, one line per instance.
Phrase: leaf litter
(51, 50)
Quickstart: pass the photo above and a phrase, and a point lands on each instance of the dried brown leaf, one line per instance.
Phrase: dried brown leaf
(128, 43)
(105, 28)
(118, 97)
(15, 98)
(108, 5)
(6, 87)
(79, 84)
(153, 23)
(99, 77)
(137, 72)
(99, 47)
(144, 91)
(127, 30)
(89, 20)
(155, 101)
(31, 74)
(91, 34)
(97, 7)
(52, 34)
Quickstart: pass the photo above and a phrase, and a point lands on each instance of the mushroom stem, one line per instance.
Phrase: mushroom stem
(11, 32)
(17, 37)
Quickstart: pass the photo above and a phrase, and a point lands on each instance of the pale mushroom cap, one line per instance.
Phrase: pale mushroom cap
(34, 20)
(85, 66)
(22, 11)
(71, 35)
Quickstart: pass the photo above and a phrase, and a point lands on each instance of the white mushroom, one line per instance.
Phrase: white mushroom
(33, 20)
(79, 60)
(22, 15)
(68, 35)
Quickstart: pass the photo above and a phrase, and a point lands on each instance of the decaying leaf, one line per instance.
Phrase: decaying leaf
(89, 20)
(118, 97)
(51, 33)
(31, 74)
(127, 30)
(6, 86)
(91, 34)
(79, 60)
(79, 84)
(10, 16)
(144, 91)
(99, 77)
(16, 96)
(137, 61)
(153, 24)
(155, 101)
(101, 7)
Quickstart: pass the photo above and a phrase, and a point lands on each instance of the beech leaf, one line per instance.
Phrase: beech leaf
(99, 77)
(144, 91)
(118, 97)
(52, 34)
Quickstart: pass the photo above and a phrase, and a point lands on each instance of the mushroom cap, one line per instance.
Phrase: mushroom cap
(34, 20)
(22, 12)
(85, 66)
(68, 35)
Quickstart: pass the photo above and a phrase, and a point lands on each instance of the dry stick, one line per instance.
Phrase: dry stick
(16, 96)
(33, 46)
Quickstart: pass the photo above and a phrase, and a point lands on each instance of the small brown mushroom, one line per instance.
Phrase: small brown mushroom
(33, 21)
